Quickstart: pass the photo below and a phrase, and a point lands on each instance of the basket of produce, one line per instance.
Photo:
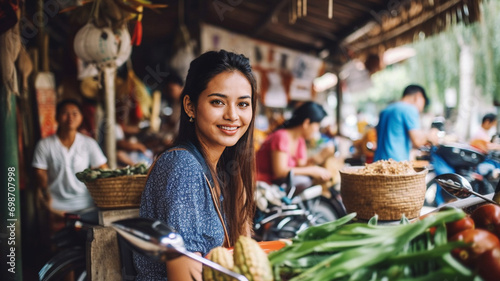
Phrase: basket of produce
(389, 189)
(115, 189)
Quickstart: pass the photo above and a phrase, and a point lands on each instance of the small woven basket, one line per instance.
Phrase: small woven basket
(117, 192)
(388, 196)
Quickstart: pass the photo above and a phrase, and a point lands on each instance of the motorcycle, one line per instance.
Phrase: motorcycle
(284, 210)
(70, 258)
(490, 167)
(459, 159)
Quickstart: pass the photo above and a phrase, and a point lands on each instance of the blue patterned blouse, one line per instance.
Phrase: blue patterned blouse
(177, 193)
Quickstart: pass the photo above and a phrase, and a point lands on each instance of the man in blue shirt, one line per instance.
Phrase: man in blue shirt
(399, 126)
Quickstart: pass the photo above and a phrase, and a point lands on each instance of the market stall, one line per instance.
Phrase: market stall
(291, 42)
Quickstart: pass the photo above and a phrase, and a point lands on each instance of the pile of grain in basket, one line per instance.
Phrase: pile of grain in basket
(387, 167)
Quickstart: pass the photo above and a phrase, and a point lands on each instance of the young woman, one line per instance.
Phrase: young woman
(203, 187)
(285, 149)
(58, 158)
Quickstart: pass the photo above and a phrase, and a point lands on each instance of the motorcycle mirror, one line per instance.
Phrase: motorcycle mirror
(458, 186)
(156, 239)
(150, 238)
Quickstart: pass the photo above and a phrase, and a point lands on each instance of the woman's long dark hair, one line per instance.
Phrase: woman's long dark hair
(236, 167)
(308, 110)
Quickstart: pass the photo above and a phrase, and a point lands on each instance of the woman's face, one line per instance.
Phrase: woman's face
(311, 130)
(224, 110)
(70, 117)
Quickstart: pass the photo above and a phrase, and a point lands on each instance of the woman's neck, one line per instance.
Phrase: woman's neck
(212, 155)
(295, 133)
(66, 137)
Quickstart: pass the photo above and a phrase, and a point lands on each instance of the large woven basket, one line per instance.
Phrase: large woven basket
(117, 192)
(388, 196)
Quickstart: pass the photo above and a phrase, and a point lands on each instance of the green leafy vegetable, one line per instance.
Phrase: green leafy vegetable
(89, 175)
(346, 250)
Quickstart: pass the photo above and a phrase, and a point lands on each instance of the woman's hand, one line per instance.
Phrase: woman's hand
(320, 173)
(184, 269)
(321, 157)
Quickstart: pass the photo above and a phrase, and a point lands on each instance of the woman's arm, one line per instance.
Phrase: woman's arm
(279, 164)
(321, 157)
(280, 167)
(184, 269)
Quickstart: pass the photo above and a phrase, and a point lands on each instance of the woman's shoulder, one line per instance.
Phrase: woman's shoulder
(278, 134)
(178, 158)
(279, 137)
(177, 169)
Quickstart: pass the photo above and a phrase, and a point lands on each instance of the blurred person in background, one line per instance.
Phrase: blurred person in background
(171, 108)
(58, 158)
(489, 144)
(399, 127)
(285, 150)
(482, 138)
(129, 150)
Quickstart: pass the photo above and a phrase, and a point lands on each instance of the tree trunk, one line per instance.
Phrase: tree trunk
(466, 98)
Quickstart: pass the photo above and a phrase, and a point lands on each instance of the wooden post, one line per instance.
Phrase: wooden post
(103, 253)
(103, 256)
(339, 107)
(155, 112)
(110, 118)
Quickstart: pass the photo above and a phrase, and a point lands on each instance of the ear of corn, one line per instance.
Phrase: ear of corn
(223, 257)
(251, 261)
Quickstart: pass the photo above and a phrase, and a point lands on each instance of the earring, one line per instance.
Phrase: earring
(191, 119)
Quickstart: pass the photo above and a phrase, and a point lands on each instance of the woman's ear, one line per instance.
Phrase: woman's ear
(306, 122)
(188, 106)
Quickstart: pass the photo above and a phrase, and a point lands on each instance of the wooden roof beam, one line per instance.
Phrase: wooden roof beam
(356, 26)
(405, 27)
(303, 27)
(269, 17)
(305, 38)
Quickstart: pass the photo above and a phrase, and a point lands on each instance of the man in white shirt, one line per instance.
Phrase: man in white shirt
(59, 157)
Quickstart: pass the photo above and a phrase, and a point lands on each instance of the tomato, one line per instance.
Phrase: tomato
(488, 265)
(455, 227)
(432, 229)
(488, 217)
(481, 241)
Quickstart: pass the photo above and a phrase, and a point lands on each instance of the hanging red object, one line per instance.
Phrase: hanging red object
(137, 35)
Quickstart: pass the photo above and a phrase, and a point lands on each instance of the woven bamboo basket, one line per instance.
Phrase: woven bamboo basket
(388, 196)
(117, 192)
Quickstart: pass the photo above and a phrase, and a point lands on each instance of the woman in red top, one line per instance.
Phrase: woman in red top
(285, 149)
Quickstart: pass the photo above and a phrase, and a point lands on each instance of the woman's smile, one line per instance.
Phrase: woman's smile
(230, 130)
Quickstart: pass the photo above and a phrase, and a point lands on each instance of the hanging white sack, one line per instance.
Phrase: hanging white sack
(94, 46)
